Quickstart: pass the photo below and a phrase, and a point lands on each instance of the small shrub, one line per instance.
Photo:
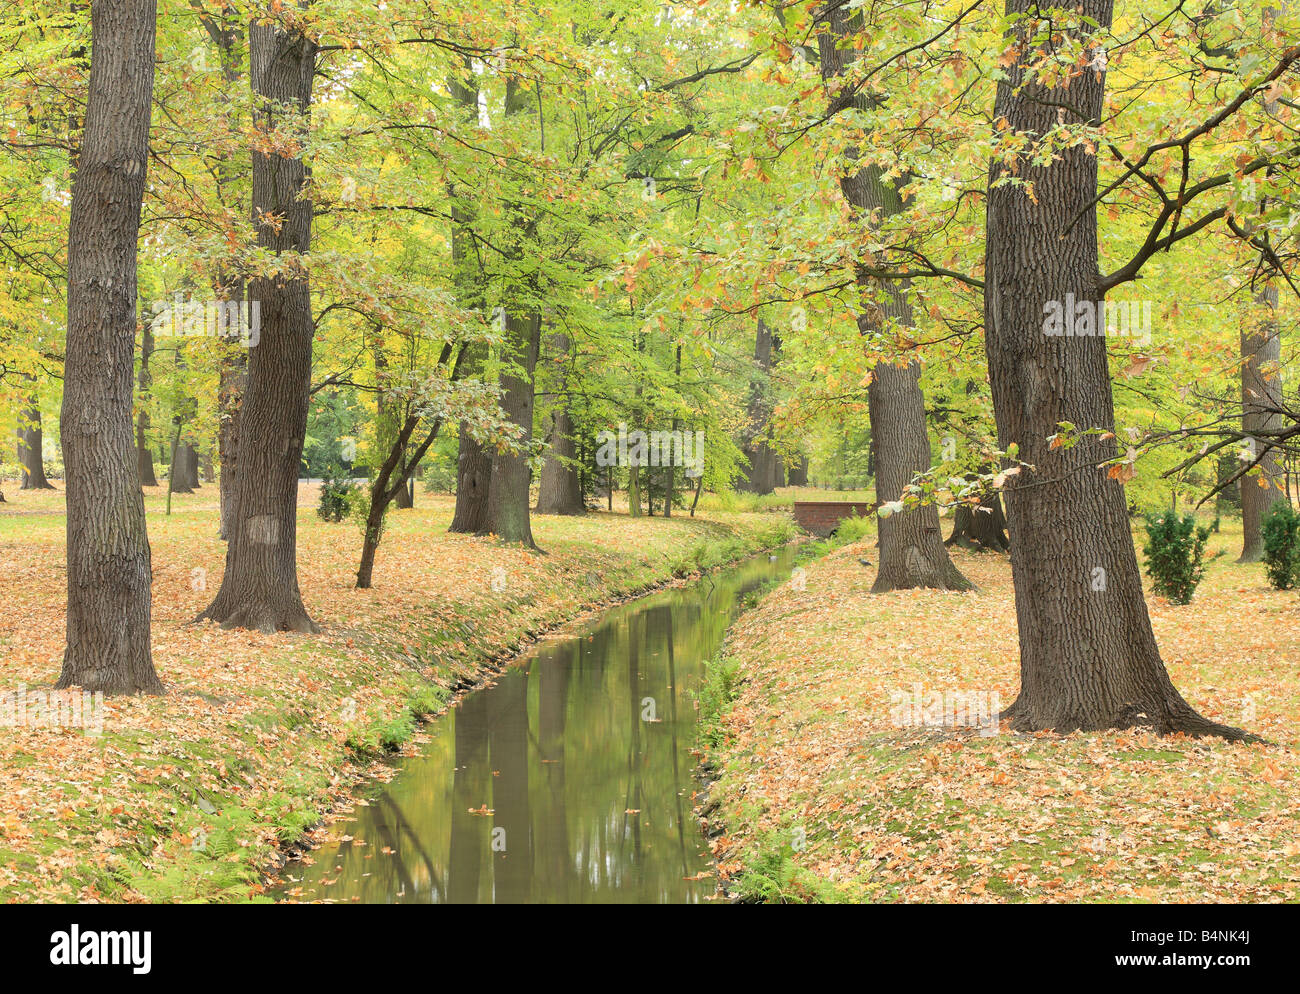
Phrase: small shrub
(1175, 549)
(1281, 533)
(439, 477)
(337, 495)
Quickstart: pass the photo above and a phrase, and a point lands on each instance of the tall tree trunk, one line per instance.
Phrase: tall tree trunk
(473, 480)
(191, 456)
(1088, 658)
(231, 383)
(260, 586)
(559, 488)
(1261, 396)
(109, 570)
(232, 378)
(144, 455)
(31, 442)
(180, 474)
(473, 461)
(506, 514)
(912, 553)
(763, 473)
(634, 491)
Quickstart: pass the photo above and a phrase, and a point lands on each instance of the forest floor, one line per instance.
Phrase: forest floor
(822, 796)
(190, 796)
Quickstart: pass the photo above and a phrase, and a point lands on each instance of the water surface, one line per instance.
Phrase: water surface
(570, 779)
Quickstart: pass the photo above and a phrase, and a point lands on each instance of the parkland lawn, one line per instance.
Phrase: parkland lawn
(822, 797)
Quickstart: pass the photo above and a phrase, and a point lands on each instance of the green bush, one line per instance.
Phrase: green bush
(439, 477)
(1174, 550)
(1281, 531)
(337, 494)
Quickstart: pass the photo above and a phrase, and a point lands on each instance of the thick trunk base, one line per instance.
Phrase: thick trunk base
(981, 529)
(1163, 713)
(912, 552)
(276, 608)
(260, 617)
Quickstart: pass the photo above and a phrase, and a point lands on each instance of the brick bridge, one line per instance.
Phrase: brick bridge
(821, 517)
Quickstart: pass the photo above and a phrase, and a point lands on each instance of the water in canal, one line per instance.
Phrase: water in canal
(570, 779)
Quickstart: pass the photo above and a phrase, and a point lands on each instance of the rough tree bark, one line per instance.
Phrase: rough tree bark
(559, 488)
(232, 378)
(144, 455)
(766, 471)
(260, 586)
(473, 482)
(109, 569)
(185, 469)
(506, 513)
(232, 381)
(31, 443)
(1261, 397)
(982, 528)
(1088, 658)
(912, 553)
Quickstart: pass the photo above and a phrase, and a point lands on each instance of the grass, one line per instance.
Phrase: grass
(190, 796)
(808, 752)
(780, 500)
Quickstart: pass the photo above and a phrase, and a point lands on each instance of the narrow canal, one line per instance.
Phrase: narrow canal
(569, 779)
